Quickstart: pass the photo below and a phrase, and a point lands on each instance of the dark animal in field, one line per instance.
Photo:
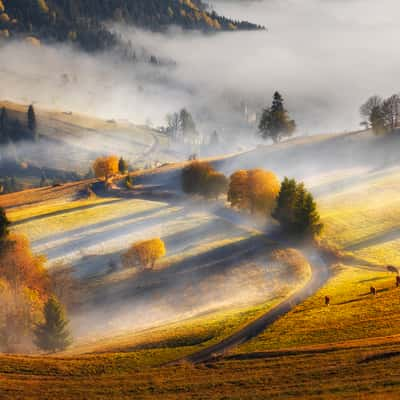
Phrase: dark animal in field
(327, 300)
(372, 290)
(392, 268)
(397, 281)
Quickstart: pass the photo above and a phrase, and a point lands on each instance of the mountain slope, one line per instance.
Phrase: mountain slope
(82, 21)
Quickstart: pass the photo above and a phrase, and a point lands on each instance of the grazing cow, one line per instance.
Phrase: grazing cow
(392, 268)
(327, 300)
(372, 290)
(397, 281)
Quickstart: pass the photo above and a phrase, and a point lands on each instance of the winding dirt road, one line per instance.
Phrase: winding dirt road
(320, 274)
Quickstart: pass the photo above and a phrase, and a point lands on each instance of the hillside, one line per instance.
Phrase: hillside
(217, 278)
(68, 143)
(84, 21)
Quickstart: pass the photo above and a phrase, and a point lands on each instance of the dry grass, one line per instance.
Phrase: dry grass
(352, 314)
(363, 220)
(341, 374)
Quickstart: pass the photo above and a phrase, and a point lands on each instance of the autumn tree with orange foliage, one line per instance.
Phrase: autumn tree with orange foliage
(105, 167)
(24, 288)
(199, 177)
(254, 190)
(144, 253)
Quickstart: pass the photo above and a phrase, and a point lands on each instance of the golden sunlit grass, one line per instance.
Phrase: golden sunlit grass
(352, 314)
(74, 216)
(169, 342)
(357, 373)
(363, 219)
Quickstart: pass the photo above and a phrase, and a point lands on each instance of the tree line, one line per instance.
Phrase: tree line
(258, 192)
(84, 21)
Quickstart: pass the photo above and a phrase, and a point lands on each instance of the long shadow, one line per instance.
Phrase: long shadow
(375, 240)
(67, 211)
(98, 225)
(96, 238)
(204, 265)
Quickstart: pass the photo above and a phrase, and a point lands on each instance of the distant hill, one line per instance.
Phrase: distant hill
(83, 21)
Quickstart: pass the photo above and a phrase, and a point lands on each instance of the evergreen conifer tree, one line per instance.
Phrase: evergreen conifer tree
(53, 334)
(32, 120)
(275, 123)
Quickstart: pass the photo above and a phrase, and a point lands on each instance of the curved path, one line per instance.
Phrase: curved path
(320, 274)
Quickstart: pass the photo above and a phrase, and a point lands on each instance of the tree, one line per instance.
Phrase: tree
(24, 287)
(377, 121)
(383, 116)
(216, 184)
(4, 137)
(105, 167)
(284, 211)
(238, 193)
(275, 122)
(366, 109)
(53, 334)
(255, 190)
(144, 253)
(263, 190)
(173, 124)
(194, 176)
(122, 166)
(296, 209)
(4, 224)
(31, 119)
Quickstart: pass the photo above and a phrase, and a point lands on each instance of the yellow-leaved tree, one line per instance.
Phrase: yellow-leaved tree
(105, 167)
(254, 190)
(144, 253)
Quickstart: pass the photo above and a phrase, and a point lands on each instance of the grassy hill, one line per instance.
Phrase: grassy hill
(349, 349)
(70, 142)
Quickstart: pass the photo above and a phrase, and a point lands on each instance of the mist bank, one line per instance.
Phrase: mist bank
(325, 58)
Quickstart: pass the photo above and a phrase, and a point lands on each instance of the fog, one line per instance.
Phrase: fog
(325, 57)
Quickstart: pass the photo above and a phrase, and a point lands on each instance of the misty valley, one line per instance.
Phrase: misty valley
(199, 199)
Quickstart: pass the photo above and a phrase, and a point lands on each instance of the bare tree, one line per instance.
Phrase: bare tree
(391, 111)
(367, 108)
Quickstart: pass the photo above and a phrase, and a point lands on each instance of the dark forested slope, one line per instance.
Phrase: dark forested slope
(82, 21)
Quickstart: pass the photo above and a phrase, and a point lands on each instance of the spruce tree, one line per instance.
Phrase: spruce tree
(275, 123)
(4, 138)
(285, 203)
(53, 334)
(32, 120)
(122, 166)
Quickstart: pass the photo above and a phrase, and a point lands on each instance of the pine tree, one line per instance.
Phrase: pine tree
(275, 123)
(285, 202)
(32, 120)
(122, 166)
(4, 224)
(53, 334)
(4, 138)
(296, 209)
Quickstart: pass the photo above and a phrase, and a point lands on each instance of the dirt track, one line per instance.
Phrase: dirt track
(320, 274)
